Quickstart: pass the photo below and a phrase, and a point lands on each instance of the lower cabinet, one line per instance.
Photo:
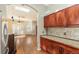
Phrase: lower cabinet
(62, 50)
(43, 44)
(67, 51)
(53, 47)
(50, 48)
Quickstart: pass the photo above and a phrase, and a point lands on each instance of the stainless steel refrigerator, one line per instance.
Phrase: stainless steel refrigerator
(4, 37)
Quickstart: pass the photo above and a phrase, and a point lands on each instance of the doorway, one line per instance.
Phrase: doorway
(24, 22)
(26, 42)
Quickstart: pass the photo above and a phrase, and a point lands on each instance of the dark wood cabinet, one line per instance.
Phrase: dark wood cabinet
(50, 47)
(50, 21)
(67, 51)
(72, 15)
(57, 19)
(53, 47)
(52, 18)
(61, 18)
(68, 17)
(43, 44)
(46, 23)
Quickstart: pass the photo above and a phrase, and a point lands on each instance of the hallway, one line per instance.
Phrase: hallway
(26, 44)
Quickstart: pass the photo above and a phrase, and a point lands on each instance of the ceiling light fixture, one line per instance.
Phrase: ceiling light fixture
(22, 9)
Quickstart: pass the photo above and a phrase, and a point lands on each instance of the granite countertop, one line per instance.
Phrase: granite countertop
(67, 41)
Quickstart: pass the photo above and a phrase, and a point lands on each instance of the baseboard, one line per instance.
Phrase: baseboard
(38, 48)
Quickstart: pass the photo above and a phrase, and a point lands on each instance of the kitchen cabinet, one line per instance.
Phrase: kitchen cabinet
(52, 18)
(50, 21)
(43, 44)
(46, 23)
(53, 47)
(61, 18)
(48, 46)
(72, 14)
(68, 17)
(57, 19)
(67, 51)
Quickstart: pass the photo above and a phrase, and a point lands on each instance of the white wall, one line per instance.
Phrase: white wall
(3, 10)
(56, 7)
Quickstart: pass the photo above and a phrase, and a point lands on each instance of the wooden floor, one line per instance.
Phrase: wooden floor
(26, 44)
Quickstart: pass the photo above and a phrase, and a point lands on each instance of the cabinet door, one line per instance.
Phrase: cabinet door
(73, 15)
(50, 47)
(46, 18)
(67, 51)
(52, 20)
(61, 18)
(49, 21)
(43, 44)
(61, 50)
(56, 50)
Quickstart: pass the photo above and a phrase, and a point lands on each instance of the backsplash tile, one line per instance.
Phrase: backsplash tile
(69, 32)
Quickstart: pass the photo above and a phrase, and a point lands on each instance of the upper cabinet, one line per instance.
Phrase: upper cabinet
(72, 14)
(49, 21)
(64, 18)
(46, 23)
(52, 18)
(61, 18)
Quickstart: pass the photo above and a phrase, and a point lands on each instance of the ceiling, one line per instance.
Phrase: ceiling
(35, 9)
(25, 16)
